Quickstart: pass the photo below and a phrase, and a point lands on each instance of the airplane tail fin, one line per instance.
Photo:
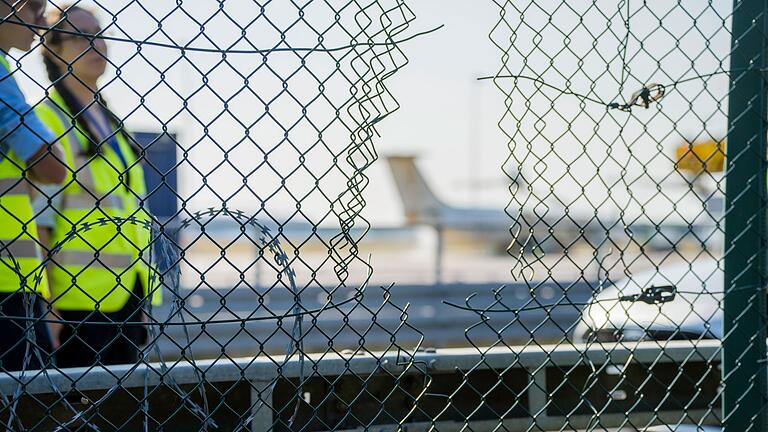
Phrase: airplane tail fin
(421, 205)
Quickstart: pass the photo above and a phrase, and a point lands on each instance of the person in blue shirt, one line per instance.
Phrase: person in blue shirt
(28, 151)
(21, 131)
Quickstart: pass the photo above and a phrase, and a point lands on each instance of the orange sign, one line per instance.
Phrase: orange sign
(704, 156)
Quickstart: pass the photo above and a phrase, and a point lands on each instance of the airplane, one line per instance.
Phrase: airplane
(555, 229)
(489, 226)
(422, 206)
(490, 229)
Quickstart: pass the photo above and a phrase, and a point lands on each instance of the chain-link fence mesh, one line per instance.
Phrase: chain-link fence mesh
(208, 274)
(617, 118)
(285, 101)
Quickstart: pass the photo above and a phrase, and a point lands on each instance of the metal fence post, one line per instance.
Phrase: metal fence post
(744, 347)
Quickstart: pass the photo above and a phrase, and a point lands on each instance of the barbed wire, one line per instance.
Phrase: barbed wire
(311, 312)
(185, 48)
(161, 242)
(644, 97)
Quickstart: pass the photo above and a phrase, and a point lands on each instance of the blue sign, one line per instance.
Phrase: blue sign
(160, 173)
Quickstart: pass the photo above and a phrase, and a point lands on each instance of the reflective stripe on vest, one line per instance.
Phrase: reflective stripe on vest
(82, 200)
(86, 201)
(114, 261)
(82, 173)
(13, 186)
(18, 249)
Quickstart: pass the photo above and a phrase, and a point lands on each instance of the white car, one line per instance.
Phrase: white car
(694, 314)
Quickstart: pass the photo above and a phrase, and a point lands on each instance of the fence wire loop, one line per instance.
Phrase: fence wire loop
(652, 295)
(643, 98)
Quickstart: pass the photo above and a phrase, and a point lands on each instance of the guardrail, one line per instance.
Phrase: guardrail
(517, 388)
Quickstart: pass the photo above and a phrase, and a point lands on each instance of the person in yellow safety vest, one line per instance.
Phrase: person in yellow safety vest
(27, 151)
(102, 274)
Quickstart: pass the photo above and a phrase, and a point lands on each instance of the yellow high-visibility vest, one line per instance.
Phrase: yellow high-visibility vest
(20, 262)
(97, 268)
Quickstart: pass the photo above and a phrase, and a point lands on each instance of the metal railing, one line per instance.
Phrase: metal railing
(445, 389)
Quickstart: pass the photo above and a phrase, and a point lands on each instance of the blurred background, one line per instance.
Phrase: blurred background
(466, 196)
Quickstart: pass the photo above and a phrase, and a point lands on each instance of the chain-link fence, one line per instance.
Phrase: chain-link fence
(183, 205)
(617, 118)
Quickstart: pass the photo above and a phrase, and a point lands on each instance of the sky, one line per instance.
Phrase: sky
(572, 151)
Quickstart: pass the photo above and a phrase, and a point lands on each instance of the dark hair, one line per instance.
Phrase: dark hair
(56, 75)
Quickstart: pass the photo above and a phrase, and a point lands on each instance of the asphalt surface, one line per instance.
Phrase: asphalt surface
(245, 322)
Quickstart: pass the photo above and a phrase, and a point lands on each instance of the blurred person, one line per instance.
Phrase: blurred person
(101, 275)
(27, 150)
